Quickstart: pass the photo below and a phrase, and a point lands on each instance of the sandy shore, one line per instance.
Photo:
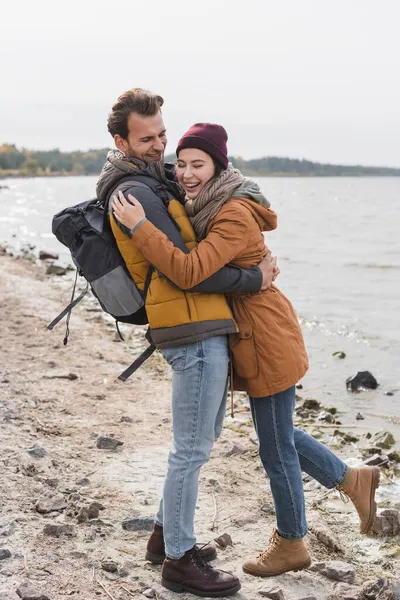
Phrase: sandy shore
(54, 403)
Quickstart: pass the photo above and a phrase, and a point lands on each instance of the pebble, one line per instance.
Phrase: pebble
(93, 511)
(83, 481)
(149, 593)
(125, 419)
(245, 520)
(275, 593)
(105, 442)
(8, 529)
(83, 515)
(311, 404)
(44, 255)
(394, 456)
(4, 553)
(224, 540)
(326, 416)
(36, 451)
(61, 375)
(336, 570)
(138, 524)
(268, 508)
(56, 270)
(109, 565)
(235, 449)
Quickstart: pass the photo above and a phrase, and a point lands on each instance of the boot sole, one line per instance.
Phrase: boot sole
(376, 475)
(178, 587)
(158, 559)
(305, 565)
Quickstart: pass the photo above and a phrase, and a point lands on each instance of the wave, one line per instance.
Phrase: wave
(373, 266)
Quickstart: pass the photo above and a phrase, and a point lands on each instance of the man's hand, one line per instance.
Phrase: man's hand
(269, 271)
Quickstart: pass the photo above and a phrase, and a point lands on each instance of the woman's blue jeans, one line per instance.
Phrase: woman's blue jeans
(199, 385)
(285, 452)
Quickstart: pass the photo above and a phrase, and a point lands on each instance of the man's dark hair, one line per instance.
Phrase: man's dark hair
(136, 100)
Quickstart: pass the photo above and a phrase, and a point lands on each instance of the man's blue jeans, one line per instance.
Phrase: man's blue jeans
(199, 384)
(285, 452)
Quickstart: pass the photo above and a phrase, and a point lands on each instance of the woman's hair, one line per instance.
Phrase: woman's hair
(218, 169)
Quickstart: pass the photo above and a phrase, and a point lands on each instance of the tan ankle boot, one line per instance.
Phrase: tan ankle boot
(359, 485)
(282, 555)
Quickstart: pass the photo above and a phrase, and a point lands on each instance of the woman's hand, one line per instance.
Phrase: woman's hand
(126, 213)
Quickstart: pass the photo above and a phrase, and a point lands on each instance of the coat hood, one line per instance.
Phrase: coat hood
(252, 197)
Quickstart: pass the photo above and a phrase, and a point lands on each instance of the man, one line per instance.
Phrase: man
(190, 327)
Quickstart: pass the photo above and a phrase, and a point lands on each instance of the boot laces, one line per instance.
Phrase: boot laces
(198, 561)
(273, 544)
(344, 496)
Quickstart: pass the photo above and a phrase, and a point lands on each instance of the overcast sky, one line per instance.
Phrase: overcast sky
(312, 79)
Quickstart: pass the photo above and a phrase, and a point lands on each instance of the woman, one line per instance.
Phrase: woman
(268, 352)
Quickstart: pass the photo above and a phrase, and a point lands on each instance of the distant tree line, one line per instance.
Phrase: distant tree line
(49, 162)
(33, 163)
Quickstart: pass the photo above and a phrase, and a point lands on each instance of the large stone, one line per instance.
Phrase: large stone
(376, 460)
(59, 530)
(27, 591)
(138, 524)
(381, 589)
(361, 381)
(335, 570)
(387, 523)
(383, 439)
(317, 526)
(47, 505)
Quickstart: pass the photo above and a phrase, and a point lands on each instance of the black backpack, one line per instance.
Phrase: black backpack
(85, 230)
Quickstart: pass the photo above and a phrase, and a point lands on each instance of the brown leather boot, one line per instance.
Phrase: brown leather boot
(155, 551)
(191, 574)
(359, 485)
(282, 554)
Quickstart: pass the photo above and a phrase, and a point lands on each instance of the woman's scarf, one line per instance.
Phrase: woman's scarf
(205, 206)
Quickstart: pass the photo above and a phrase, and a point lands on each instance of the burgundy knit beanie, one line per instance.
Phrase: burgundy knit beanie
(210, 138)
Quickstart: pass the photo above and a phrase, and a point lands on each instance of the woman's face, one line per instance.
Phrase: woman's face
(194, 170)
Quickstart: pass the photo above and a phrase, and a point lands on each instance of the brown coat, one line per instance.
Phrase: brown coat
(268, 353)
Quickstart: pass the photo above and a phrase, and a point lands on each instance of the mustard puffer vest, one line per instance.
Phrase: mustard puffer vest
(176, 317)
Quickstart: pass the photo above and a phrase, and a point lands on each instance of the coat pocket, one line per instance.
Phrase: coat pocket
(243, 350)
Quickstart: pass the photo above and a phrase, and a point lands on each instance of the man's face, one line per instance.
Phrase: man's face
(146, 138)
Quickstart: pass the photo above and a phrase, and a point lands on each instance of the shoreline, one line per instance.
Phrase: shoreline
(245, 173)
(64, 397)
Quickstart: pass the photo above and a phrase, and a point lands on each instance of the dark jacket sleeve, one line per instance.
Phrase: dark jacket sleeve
(228, 280)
